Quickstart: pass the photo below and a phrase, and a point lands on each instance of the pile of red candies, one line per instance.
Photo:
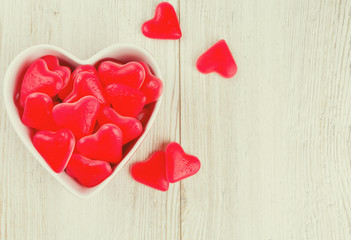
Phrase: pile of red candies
(83, 122)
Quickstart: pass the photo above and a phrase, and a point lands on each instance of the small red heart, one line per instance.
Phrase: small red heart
(55, 148)
(152, 86)
(79, 117)
(53, 64)
(131, 74)
(164, 25)
(131, 127)
(152, 172)
(88, 172)
(105, 144)
(180, 165)
(81, 69)
(37, 112)
(86, 84)
(125, 100)
(217, 58)
(38, 78)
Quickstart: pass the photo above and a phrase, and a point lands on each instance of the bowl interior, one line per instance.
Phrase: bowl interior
(122, 53)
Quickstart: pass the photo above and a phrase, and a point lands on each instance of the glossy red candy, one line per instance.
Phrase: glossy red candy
(86, 84)
(88, 172)
(55, 148)
(152, 86)
(218, 59)
(180, 165)
(54, 65)
(38, 78)
(81, 69)
(105, 144)
(125, 100)
(152, 172)
(37, 112)
(164, 25)
(79, 117)
(131, 127)
(131, 74)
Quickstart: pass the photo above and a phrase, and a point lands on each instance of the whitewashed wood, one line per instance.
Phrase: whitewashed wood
(274, 141)
(33, 204)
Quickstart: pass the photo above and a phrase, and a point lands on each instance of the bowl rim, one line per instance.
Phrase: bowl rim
(9, 84)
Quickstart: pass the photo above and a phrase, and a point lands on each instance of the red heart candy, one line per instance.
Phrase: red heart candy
(79, 117)
(180, 165)
(164, 25)
(131, 74)
(152, 172)
(88, 172)
(152, 86)
(38, 78)
(131, 127)
(105, 144)
(54, 65)
(55, 148)
(37, 112)
(86, 84)
(125, 100)
(81, 69)
(218, 59)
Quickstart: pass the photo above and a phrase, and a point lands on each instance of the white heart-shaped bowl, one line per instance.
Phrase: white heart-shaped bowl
(15, 72)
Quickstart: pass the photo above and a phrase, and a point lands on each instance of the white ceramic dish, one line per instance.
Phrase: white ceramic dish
(16, 70)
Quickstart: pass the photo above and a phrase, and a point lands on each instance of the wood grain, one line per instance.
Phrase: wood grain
(274, 141)
(33, 204)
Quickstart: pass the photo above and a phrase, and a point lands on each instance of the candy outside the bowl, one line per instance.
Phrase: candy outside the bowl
(219, 59)
(164, 25)
(165, 167)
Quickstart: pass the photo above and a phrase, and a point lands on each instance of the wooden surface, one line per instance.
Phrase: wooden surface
(274, 141)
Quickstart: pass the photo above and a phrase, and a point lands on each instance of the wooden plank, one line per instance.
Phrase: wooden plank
(33, 205)
(275, 140)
